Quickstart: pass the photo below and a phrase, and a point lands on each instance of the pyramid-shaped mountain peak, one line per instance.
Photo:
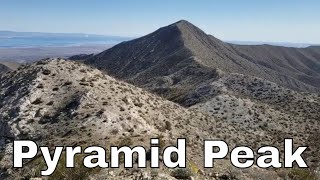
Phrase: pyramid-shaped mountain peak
(181, 51)
(183, 23)
(172, 48)
(185, 27)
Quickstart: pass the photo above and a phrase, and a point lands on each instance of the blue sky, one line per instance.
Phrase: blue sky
(244, 20)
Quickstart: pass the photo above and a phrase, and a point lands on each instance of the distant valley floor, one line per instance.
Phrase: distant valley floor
(37, 53)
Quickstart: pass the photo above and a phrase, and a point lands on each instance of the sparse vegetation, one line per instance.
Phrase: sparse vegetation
(67, 83)
(46, 72)
(37, 101)
(97, 109)
(299, 174)
(168, 126)
(78, 173)
(181, 173)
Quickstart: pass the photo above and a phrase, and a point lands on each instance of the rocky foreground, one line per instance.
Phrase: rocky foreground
(58, 103)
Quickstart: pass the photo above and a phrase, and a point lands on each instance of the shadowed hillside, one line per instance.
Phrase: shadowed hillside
(159, 60)
(6, 66)
(4, 69)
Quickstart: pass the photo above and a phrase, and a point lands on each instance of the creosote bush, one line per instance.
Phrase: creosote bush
(181, 173)
(46, 72)
(168, 126)
(37, 101)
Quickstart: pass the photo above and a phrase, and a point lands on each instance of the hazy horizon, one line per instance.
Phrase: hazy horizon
(60, 39)
(289, 21)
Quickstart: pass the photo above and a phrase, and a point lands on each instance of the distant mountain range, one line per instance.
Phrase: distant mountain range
(285, 44)
(9, 38)
(10, 34)
(39, 39)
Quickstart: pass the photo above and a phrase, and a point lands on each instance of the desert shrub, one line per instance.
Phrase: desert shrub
(29, 121)
(125, 100)
(114, 131)
(181, 173)
(50, 103)
(100, 112)
(83, 79)
(138, 104)
(46, 72)
(83, 84)
(45, 119)
(40, 86)
(305, 174)
(67, 83)
(37, 101)
(122, 108)
(83, 70)
(105, 103)
(55, 89)
(168, 126)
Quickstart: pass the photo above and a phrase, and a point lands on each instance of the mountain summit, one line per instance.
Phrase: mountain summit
(182, 54)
